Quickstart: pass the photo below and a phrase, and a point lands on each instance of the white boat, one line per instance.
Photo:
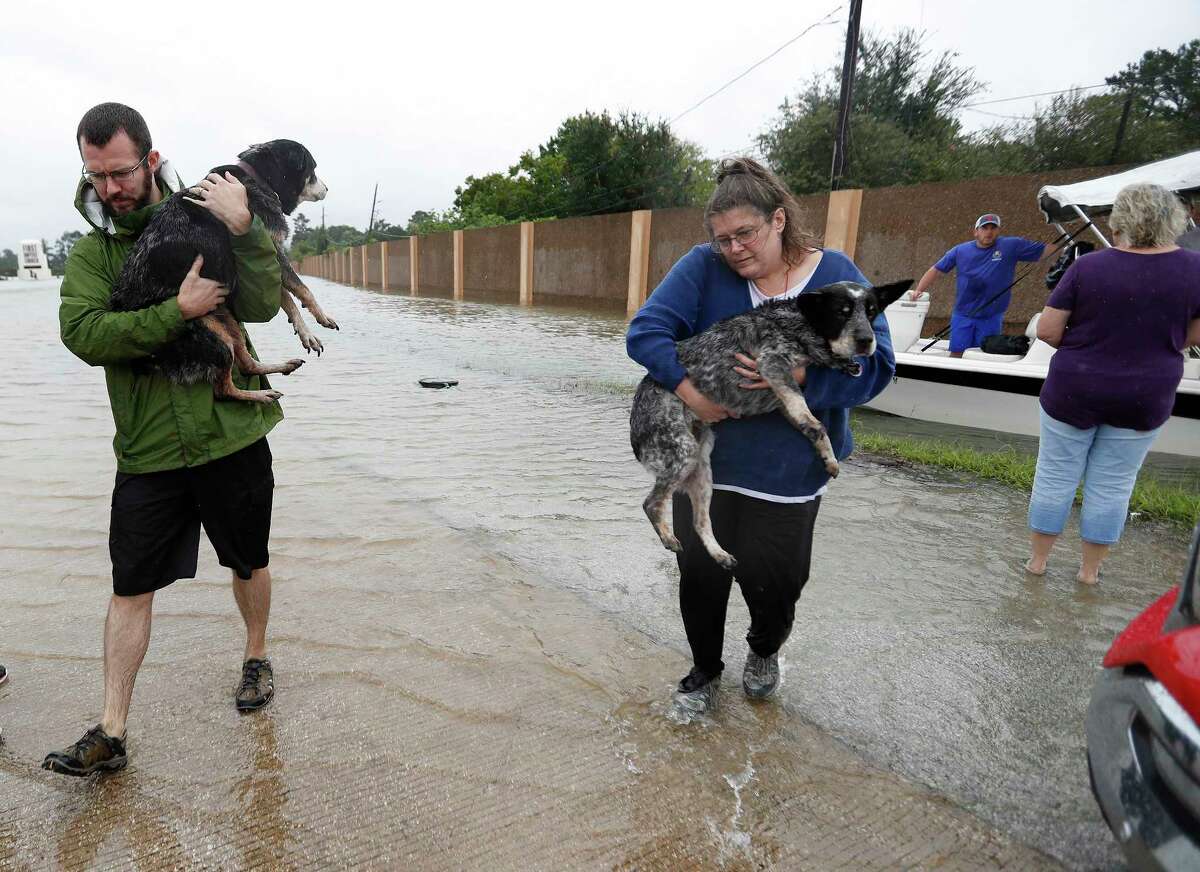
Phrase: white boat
(1000, 392)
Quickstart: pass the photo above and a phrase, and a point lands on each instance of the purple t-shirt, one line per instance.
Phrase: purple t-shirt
(1120, 360)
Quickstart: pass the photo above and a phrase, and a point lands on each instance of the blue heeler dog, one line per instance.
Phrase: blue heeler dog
(827, 326)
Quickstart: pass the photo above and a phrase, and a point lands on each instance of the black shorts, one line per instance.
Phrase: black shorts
(154, 534)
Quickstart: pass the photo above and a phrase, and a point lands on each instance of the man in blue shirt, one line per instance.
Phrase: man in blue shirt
(984, 267)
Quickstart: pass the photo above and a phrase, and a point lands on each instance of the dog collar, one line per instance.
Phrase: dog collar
(250, 171)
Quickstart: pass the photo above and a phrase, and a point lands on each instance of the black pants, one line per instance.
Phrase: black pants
(773, 546)
(154, 533)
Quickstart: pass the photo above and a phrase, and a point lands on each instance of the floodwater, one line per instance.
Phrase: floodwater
(475, 633)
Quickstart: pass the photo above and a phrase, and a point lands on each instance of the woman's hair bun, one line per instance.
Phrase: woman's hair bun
(731, 166)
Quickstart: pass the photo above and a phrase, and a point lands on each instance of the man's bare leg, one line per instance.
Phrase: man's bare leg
(126, 638)
(254, 601)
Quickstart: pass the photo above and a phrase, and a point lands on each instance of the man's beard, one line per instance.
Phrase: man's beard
(124, 203)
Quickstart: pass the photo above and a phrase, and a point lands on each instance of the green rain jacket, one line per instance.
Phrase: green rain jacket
(161, 425)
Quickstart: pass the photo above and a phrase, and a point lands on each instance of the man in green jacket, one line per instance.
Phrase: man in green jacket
(182, 459)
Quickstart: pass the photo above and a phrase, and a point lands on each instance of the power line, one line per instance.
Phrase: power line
(823, 21)
(1027, 96)
(998, 115)
(820, 22)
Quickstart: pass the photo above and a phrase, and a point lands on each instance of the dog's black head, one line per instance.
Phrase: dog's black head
(842, 313)
(289, 169)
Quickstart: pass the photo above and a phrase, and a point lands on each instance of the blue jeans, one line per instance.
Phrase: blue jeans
(970, 332)
(1106, 458)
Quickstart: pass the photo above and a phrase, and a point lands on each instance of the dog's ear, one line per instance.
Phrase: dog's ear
(890, 293)
(303, 162)
(819, 308)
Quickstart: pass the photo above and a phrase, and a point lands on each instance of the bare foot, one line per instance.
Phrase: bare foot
(1087, 579)
(1035, 568)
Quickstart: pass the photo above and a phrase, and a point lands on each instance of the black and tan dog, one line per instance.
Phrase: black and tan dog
(277, 175)
(827, 326)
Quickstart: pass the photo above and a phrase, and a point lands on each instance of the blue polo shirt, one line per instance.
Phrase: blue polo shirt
(982, 273)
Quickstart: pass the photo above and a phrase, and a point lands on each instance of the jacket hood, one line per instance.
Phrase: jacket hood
(87, 202)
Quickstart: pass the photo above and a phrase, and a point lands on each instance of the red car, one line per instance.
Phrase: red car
(1142, 734)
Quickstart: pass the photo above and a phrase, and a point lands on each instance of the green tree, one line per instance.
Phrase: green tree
(1080, 131)
(903, 126)
(1163, 117)
(593, 164)
(422, 223)
(1165, 85)
(8, 262)
(305, 238)
(56, 252)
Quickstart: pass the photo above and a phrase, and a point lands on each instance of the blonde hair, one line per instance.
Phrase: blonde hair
(1147, 215)
(745, 183)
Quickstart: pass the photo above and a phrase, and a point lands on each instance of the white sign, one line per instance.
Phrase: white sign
(33, 263)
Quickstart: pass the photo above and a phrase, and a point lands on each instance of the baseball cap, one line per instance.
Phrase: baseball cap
(988, 218)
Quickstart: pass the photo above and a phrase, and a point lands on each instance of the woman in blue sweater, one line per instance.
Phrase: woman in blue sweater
(767, 479)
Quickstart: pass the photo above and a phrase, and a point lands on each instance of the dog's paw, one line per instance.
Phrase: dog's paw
(324, 320)
(672, 544)
(724, 560)
(268, 396)
(292, 365)
(832, 468)
(311, 343)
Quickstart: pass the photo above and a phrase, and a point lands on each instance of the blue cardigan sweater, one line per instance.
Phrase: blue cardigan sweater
(763, 456)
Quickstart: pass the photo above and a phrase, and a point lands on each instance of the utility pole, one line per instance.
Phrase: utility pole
(841, 157)
(1121, 128)
(371, 222)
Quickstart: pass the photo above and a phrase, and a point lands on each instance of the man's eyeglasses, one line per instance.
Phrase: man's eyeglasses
(118, 176)
(745, 238)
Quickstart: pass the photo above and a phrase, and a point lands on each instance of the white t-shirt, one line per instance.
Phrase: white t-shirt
(757, 297)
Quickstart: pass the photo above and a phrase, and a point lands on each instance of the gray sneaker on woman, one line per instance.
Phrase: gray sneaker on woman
(761, 675)
(695, 696)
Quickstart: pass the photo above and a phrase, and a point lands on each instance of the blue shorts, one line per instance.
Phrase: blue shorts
(970, 332)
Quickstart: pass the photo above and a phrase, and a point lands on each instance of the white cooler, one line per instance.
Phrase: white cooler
(905, 319)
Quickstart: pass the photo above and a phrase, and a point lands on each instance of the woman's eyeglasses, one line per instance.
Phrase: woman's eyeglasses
(745, 238)
(118, 176)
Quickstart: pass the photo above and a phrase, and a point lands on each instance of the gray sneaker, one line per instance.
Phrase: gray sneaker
(761, 675)
(695, 696)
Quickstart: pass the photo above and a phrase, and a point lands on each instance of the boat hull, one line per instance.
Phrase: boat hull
(967, 394)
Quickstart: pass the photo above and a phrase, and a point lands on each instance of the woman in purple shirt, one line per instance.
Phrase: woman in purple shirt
(1121, 319)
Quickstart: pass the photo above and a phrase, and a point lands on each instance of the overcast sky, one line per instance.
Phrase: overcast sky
(416, 97)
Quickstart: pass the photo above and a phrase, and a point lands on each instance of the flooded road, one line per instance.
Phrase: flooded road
(475, 632)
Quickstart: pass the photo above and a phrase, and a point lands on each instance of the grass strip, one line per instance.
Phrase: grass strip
(1152, 498)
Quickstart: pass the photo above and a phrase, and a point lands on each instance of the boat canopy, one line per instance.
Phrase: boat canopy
(1095, 196)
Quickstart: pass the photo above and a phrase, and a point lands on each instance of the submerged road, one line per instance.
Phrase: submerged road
(475, 634)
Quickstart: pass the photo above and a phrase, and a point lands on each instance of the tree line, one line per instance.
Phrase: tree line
(905, 129)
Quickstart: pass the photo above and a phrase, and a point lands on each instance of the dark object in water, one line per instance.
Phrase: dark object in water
(1001, 344)
(438, 382)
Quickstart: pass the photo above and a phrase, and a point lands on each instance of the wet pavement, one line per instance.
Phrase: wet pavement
(474, 632)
